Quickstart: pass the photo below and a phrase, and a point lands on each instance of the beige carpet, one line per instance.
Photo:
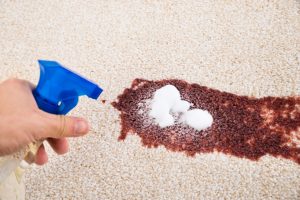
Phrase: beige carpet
(248, 47)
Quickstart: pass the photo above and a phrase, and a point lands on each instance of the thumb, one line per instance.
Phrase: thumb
(59, 126)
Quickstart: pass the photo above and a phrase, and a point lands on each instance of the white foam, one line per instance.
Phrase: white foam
(181, 106)
(198, 119)
(167, 101)
(168, 93)
(167, 120)
(159, 108)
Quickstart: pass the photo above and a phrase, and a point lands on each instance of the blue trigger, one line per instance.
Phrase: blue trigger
(59, 88)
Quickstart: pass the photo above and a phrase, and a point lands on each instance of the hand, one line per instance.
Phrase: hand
(21, 122)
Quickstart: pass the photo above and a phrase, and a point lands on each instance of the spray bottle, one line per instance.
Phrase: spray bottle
(57, 92)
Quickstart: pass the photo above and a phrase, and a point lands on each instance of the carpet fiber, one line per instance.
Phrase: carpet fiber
(246, 47)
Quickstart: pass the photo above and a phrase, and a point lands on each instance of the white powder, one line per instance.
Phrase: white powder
(167, 101)
(164, 99)
(181, 106)
(198, 119)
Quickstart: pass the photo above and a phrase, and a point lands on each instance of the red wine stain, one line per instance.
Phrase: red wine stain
(245, 127)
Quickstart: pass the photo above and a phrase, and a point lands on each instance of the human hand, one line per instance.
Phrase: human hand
(22, 122)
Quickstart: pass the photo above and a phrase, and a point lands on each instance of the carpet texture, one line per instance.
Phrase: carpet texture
(247, 47)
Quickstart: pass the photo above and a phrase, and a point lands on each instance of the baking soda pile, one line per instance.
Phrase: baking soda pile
(167, 103)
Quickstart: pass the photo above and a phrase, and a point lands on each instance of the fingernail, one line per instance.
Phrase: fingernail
(81, 127)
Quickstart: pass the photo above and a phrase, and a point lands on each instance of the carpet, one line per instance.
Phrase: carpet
(245, 47)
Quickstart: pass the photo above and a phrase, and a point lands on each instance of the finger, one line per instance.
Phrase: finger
(60, 126)
(25, 83)
(31, 85)
(41, 157)
(60, 146)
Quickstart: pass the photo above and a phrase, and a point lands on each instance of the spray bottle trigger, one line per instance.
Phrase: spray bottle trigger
(66, 105)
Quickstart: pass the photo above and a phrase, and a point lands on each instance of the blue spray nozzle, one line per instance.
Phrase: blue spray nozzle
(59, 88)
